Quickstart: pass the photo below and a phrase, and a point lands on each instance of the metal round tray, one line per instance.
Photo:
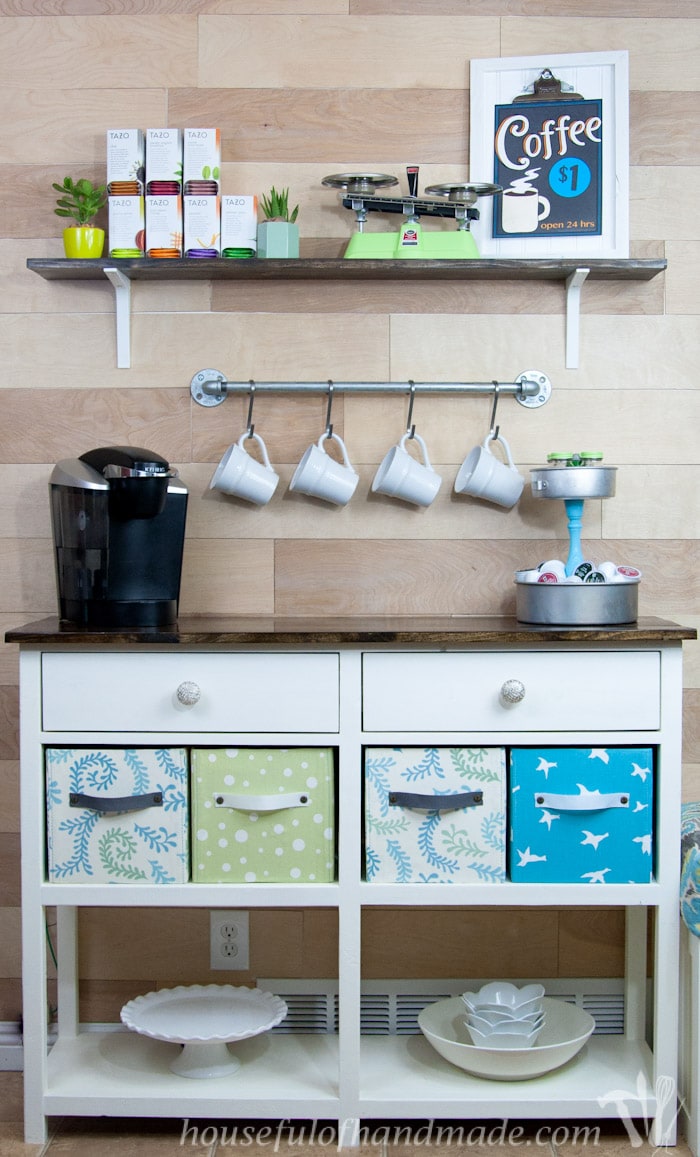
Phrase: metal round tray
(574, 605)
(573, 481)
(359, 182)
(465, 193)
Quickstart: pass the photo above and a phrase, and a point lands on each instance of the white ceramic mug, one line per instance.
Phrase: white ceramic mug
(321, 476)
(400, 475)
(483, 475)
(242, 476)
(521, 210)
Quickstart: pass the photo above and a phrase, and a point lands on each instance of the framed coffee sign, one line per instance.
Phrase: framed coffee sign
(552, 132)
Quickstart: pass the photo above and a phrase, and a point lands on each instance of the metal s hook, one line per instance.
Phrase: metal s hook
(329, 407)
(251, 399)
(493, 428)
(410, 427)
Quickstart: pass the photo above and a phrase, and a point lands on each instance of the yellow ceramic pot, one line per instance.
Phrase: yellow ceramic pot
(83, 241)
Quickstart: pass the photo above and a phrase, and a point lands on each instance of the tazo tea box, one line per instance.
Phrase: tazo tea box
(126, 160)
(127, 237)
(202, 226)
(239, 224)
(201, 161)
(164, 226)
(163, 156)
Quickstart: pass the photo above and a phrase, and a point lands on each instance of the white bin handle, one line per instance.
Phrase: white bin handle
(586, 801)
(261, 803)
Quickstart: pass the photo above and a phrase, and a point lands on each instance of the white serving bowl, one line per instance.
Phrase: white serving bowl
(565, 1033)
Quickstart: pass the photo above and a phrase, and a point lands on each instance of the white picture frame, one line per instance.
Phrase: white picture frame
(594, 75)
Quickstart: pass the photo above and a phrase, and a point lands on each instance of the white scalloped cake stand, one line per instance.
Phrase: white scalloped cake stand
(204, 1018)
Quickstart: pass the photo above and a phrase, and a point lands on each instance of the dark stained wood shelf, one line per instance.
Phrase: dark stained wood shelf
(313, 269)
(438, 630)
(122, 271)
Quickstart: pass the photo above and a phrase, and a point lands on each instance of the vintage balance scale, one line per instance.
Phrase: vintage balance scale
(452, 201)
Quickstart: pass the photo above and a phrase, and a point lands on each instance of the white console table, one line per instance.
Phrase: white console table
(382, 682)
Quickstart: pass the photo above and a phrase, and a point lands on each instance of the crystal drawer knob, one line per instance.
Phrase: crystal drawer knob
(513, 691)
(188, 694)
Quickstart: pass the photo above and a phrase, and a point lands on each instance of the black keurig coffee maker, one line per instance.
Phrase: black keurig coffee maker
(118, 515)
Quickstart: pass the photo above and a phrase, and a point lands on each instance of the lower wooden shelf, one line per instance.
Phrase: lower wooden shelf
(398, 1072)
(121, 1074)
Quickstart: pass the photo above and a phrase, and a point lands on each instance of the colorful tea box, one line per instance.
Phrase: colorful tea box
(126, 161)
(201, 161)
(263, 815)
(126, 225)
(582, 815)
(202, 226)
(164, 226)
(164, 157)
(117, 815)
(239, 224)
(435, 815)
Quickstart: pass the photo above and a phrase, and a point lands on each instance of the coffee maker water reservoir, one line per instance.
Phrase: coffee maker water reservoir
(118, 515)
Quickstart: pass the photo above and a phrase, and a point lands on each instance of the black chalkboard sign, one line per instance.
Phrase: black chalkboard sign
(548, 159)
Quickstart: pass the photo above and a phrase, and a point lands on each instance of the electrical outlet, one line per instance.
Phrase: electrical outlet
(229, 940)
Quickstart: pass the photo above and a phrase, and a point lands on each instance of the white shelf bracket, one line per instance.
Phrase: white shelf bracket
(573, 315)
(122, 310)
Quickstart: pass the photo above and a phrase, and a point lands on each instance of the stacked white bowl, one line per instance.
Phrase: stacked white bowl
(502, 1016)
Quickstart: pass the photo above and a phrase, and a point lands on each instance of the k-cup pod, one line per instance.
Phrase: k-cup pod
(242, 476)
(526, 576)
(609, 569)
(556, 566)
(547, 576)
(629, 573)
(483, 475)
(583, 569)
(321, 476)
(595, 576)
(400, 475)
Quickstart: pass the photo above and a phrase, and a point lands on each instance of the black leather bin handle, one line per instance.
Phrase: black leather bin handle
(436, 803)
(124, 803)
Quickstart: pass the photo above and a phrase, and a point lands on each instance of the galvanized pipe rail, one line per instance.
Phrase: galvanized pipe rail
(532, 388)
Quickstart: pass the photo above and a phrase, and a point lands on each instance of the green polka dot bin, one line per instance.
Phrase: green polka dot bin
(263, 815)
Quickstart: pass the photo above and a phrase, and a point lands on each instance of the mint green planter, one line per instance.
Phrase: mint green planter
(278, 239)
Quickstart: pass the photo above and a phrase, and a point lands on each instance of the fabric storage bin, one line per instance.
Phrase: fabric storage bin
(582, 815)
(434, 814)
(117, 815)
(263, 815)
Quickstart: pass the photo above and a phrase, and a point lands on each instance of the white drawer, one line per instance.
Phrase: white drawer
(251, 692)
(454, 691)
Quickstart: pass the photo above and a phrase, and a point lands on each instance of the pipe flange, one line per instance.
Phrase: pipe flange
(203, 388)
(544, 389)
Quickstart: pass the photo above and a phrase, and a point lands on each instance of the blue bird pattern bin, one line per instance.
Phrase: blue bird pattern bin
(582, 815)
(117, 815)
(435, 815)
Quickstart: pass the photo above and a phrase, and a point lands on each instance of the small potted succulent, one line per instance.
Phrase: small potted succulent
(278, 235)
(82, 201)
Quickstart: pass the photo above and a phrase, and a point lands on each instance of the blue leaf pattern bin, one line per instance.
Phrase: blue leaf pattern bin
(421, 838)
(90, 840)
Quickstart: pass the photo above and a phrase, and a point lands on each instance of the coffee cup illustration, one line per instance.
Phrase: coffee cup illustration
(522, 210)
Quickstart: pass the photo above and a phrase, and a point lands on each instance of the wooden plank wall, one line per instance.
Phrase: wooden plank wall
(301, 90)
